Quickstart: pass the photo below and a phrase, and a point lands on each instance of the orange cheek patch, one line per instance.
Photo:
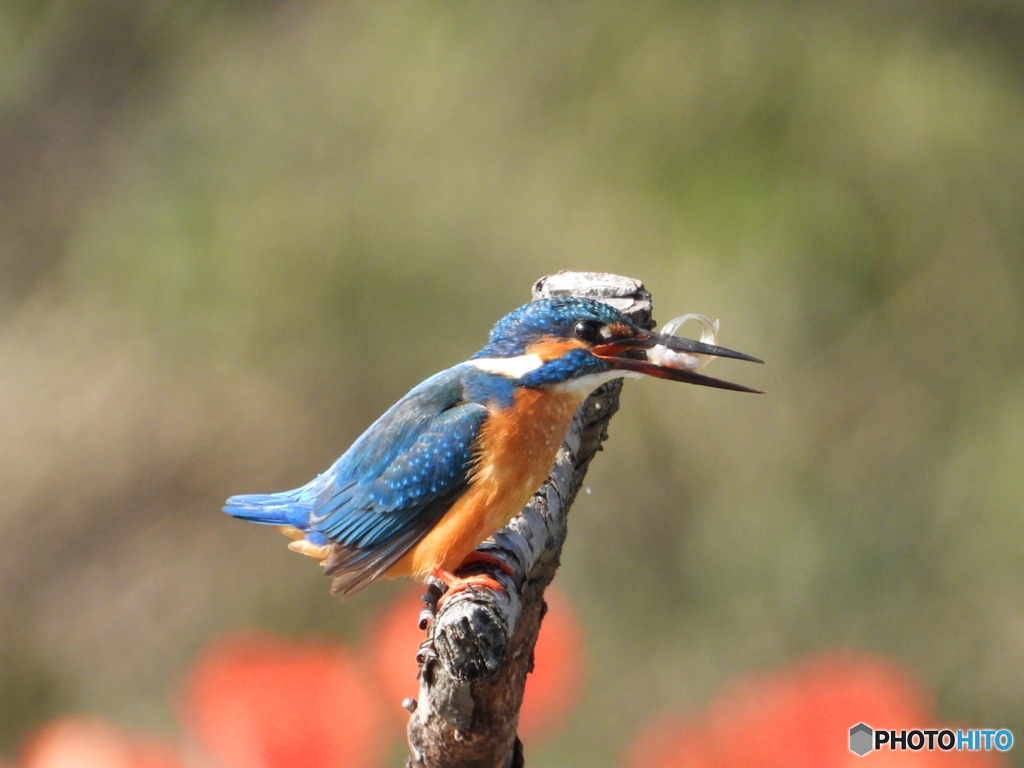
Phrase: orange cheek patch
(552, 349)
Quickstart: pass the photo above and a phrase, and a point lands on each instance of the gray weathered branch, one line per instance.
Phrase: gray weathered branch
(473, 665)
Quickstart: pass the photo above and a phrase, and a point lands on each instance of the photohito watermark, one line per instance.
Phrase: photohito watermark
(864, 739)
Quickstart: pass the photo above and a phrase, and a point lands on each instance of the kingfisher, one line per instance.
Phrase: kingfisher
(458, 457)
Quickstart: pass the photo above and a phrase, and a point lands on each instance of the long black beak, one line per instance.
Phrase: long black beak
(647, 339)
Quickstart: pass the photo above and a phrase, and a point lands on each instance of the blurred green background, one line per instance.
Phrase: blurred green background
(232, 233)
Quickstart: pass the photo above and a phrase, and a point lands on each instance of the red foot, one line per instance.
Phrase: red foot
(476, 556)
(457, 584)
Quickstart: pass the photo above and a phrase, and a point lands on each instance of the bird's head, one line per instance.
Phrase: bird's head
(576, 344)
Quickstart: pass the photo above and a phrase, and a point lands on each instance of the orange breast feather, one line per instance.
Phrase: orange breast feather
(517, 449)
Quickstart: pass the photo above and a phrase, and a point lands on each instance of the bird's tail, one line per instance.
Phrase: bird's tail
(271, 509)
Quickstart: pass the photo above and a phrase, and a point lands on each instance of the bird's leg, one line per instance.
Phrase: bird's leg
(476, 556)
(458, 584)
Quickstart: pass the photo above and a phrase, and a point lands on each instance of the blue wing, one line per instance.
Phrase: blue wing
(390, 488)
(366, 510)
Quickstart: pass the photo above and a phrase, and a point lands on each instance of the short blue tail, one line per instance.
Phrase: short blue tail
(271, 509)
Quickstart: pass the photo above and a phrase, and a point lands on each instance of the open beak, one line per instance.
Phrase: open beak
(612, 351)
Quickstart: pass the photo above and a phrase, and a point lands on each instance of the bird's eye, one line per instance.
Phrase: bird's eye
(586, 330)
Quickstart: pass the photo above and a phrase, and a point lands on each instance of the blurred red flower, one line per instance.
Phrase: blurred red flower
(800, 717)
(392, 642)
(255, 701)
(552, 689)
(88, 742)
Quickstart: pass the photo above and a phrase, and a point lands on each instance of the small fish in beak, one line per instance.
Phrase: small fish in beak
(686, 361)
(672, 357)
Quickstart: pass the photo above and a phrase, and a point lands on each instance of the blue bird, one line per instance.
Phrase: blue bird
(456, 458)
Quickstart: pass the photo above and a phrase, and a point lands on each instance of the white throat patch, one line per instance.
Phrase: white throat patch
(582, 386)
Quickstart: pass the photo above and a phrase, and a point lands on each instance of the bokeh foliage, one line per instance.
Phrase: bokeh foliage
(231, 233)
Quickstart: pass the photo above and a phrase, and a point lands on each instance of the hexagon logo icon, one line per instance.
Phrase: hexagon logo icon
(861, 737)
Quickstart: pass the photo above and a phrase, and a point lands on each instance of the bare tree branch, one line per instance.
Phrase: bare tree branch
(473, 665)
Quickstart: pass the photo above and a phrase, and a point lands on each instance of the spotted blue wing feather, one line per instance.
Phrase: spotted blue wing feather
(390, 488)
(368, 512)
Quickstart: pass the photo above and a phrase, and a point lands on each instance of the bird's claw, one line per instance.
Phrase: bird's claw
(458, 584)
(426, 652)
(430, 600)
(477, 556)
